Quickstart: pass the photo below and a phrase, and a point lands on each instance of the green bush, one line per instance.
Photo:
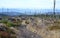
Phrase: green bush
(4, 21)
(10, 24)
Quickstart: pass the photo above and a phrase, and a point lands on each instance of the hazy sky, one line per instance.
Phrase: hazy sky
(30, 4)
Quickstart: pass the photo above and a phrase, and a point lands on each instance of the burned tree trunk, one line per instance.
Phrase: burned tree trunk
(54, 8)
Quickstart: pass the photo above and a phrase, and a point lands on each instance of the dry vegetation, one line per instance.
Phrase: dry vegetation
(30, 27)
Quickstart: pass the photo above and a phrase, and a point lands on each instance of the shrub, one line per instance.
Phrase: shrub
(54, 27)
(10, 24)
(4, 21)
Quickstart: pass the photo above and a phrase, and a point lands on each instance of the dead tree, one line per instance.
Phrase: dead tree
(54, 8)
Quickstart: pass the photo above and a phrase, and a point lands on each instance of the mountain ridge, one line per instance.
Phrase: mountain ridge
(15, 12)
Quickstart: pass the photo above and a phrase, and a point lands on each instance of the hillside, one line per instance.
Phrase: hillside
(31, 26)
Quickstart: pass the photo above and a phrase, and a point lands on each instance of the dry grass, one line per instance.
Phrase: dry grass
(55, 26)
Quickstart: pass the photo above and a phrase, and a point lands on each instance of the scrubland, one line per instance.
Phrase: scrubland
(29, 27)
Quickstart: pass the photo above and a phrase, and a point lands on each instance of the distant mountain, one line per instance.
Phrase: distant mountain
(15, 12)
(57, 12)
(3, 14)
(10, 12)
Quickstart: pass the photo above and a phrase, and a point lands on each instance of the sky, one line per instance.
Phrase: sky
(29, 4)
